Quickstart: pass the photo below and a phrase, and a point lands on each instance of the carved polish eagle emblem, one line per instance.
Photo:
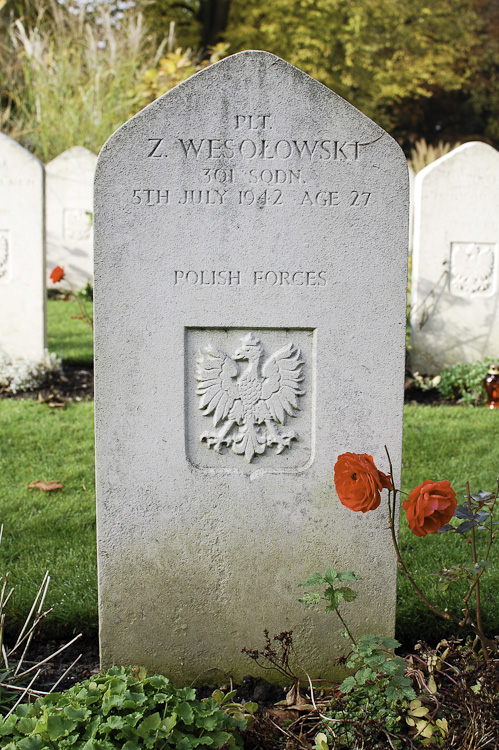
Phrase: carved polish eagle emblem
(249, 405)
(472, 269)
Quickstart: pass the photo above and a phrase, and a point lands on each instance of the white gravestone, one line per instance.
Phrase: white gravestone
(412, 180)
(22, 255)
(69, 189)
(251, 250)
(455, 316)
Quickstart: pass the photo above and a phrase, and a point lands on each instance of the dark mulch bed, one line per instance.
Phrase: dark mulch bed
(88, 664)
(472, 714)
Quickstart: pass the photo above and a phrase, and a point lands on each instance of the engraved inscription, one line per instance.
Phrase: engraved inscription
(276, 176)
(473, 269)
(263, 148)
(150, 197)
(4, 255)
(218, 175)
(207, 197)
(253, 122)
(256, 169)
(77, 224)
(267, 198)
(289, 278)
(156, 150)
(207, 277)
(249, 406)
(323, 198)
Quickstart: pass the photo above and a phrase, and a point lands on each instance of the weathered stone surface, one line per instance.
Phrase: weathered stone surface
(250, 277)
(455, 263)
(22, 256)
(70, 190)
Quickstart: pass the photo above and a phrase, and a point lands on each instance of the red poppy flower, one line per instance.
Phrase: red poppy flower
(358, 482)
(430, 506)
(57, 274)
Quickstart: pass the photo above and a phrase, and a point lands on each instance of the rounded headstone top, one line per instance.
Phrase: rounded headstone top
(77, 156)
(249, 79)
(459, 158)
(9, 145)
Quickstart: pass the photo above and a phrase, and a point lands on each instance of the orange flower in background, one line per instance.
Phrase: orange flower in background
(358, 482)
(430, 506)
(57, 274)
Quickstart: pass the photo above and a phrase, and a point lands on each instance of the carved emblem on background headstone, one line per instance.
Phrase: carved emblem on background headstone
(4, 256)
(249, 405)
(472, 269)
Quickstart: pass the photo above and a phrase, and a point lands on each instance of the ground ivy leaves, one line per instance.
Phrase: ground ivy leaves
(124, 710)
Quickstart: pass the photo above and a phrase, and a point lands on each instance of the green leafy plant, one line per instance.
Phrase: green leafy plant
(334, 594)
(126, 710)
(464, 382)
(379, 689)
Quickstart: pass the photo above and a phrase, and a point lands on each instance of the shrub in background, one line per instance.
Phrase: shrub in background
(17, 375)
(73, 74)
(464, 382)
(71, 77)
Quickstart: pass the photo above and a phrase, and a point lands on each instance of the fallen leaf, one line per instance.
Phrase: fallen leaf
(282, 715)
(53, 484)
(432, 685)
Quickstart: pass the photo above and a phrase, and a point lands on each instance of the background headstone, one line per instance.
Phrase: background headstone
(455, 312)
(412, 180)
(69, 190)
(22, 255)
(250, 215)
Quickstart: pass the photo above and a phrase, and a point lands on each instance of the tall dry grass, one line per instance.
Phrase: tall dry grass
(71, 78)
(425, 153)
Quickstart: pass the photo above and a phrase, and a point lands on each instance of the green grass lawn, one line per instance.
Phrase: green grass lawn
(458, 444)
(56, 530)
(49, 530)
(68, 337)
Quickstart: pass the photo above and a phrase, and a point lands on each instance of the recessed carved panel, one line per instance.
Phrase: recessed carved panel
(473, 269)
(4, 255)
(249, 396)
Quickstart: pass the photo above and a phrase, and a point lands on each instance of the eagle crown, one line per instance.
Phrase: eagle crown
(251, 349)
